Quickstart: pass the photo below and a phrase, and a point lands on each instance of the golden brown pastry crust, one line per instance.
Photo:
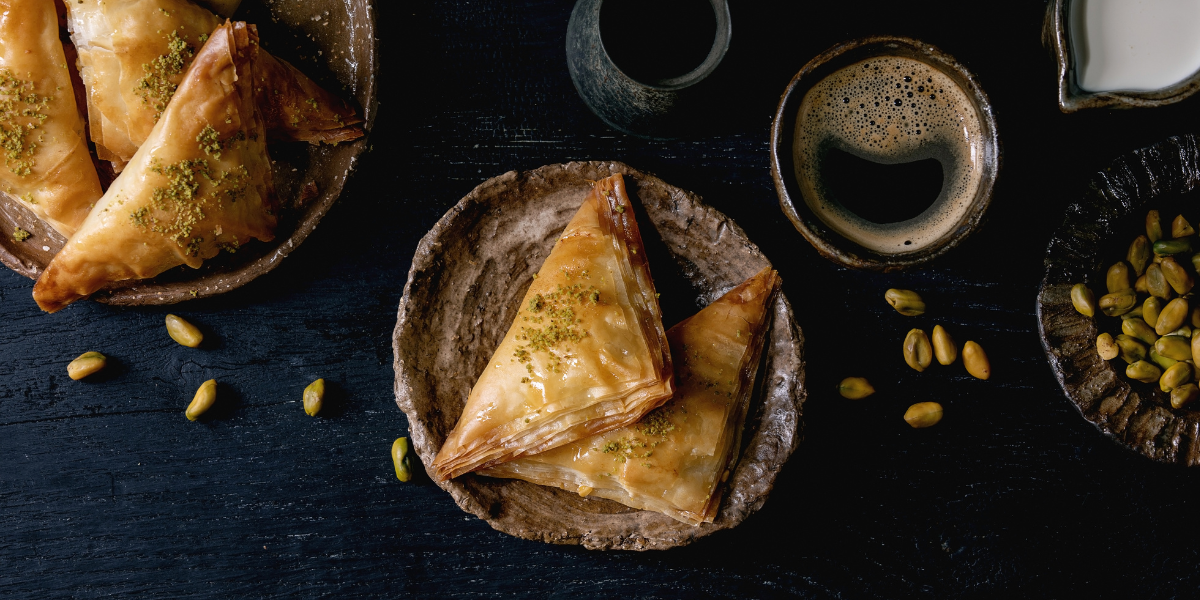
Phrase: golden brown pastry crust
(201, 183)
(132, 53)
(674, 460)
(586, 353)
(46, 163)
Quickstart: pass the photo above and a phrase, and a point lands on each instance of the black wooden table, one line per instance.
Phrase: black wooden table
(107, 490)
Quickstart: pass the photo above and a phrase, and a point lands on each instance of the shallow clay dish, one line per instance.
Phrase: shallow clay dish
(829, 243)
(1056, 36)
(1096, 233)
(468, 277)
(308, 179)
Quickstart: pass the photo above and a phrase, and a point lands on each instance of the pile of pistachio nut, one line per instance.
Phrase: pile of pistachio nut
(1149, 296)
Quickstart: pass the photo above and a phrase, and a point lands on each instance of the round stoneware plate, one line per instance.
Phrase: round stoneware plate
(1096, 233)
(331, 41)
(467, 279)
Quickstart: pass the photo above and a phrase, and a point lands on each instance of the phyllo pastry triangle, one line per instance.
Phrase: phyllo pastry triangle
(133, 54)
(46, 163)
(586, 352)
(674, 460)
(200, 184)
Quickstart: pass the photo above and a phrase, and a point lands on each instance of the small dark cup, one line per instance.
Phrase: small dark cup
(831, 244)
(659, 108)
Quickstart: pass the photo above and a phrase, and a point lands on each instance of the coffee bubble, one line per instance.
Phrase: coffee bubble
(891, 110)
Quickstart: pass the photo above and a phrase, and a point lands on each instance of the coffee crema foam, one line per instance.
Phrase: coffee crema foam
(891, 110)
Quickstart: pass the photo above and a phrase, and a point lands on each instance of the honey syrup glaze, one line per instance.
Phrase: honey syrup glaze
(890, 110)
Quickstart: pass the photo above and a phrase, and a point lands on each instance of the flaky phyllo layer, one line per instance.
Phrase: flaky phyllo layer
(201, 183)
(44, 156)
(586, 353)
(133, 55)
(674, 460)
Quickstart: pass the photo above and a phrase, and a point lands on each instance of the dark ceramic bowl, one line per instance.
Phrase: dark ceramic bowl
(308, 179)
(829, 243)
(1056, 36)
(664, 108)
(1096, 232)
(467, 280)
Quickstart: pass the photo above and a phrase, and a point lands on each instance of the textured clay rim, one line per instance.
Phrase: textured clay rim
(1056, 35)
(548, 514)
(829, 243)
(326, 168)
(1127, 414)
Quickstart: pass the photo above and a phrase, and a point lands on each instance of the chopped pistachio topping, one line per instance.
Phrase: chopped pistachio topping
(210, 141)
(20, 234)
(162, 74)
(179, 205)
(555, 313)
(22, 110)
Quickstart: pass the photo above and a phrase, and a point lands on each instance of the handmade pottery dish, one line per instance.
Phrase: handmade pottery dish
(1095, 233)
(332, 41)
(1063, 31)
(890, 101)
(467, 280)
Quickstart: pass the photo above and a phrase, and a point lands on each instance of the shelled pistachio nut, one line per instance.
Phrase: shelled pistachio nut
(1172, 247)
(1181, 228)
(1175, 376)
(1107, 347)
(1141, 286)
(1184, 330)
(1196, 343)
(86, 364)
(1183, 395)
(1118, 303)
(203, 400)
(1173, 346)
(923, 414)
(1131, 349)
(1176, 276)
(1139, 330)
(855, 388)
(314, 397)
(1153, 226)
(1195, 319)
(1163, 362)
(906, 302)
(401, 459)
(1083, 300)
(1196, 261)
(1143, 371)
(1151, 309)
(183, 332)
(944, 348)
(1172, 316)
(1156, 282)
(1117, 278)
(918, 353)
(976, 361)
(1139, 254)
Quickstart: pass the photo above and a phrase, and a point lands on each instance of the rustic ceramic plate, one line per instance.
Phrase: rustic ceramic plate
(1096, 233)
(467, 280)
(332, 41)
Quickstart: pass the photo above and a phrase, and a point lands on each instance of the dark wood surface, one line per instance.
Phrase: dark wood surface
(107, 490)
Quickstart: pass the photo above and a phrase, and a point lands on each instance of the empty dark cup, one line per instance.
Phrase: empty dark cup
(639, 65)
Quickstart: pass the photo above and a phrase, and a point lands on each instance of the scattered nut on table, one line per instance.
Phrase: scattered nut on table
(86, 364)
(183, 332)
